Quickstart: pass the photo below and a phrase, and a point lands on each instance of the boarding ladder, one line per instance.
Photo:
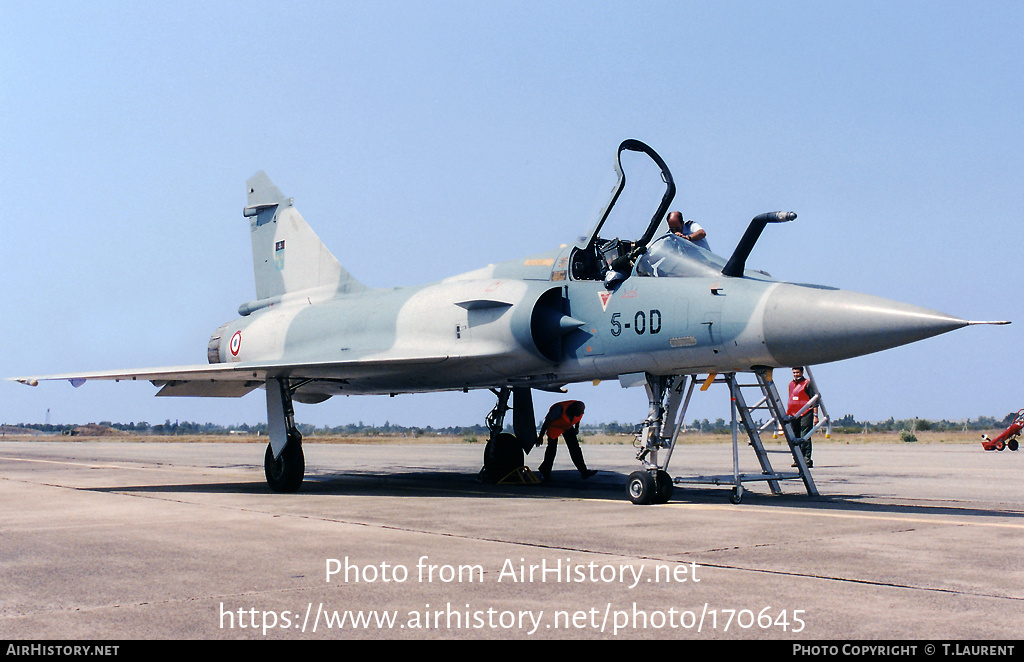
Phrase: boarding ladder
(769, 402)
(774, 406)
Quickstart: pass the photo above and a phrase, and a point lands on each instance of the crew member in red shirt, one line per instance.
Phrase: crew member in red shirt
(563, 419)
(800, 393)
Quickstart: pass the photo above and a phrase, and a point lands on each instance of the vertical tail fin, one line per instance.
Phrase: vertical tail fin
(287, 255)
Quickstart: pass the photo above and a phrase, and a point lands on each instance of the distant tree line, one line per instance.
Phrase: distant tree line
(849, 424)
(190, 428)
(845, 424)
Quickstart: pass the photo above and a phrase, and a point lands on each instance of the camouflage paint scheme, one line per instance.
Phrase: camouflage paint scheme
(543, 321)
(516, 323)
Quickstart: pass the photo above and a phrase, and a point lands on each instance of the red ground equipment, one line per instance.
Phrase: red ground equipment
(1008, 437)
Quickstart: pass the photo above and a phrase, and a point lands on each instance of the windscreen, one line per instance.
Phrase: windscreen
(674, 257)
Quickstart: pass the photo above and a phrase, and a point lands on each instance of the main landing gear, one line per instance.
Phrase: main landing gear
(504, 453)
(284, 463)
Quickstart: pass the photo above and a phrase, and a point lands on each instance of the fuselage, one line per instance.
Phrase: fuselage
(528, 323)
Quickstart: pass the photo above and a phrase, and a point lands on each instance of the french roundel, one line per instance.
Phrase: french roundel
(236, 343)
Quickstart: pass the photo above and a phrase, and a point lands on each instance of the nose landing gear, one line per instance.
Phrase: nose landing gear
(652, 484)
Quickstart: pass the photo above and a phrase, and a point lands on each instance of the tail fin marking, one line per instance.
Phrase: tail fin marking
(287, 255)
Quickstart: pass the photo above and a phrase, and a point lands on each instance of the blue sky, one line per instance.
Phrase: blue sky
(422, 139)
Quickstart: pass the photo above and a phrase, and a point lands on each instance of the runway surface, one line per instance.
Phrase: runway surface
(116, 540)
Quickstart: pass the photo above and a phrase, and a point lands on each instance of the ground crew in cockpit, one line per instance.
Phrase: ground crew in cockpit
(689, 230)
(563, 419)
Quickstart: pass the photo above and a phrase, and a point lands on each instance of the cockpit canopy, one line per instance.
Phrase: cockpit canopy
(614, 260)
(593, 256)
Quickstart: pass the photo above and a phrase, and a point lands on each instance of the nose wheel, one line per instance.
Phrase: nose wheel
(645, 487)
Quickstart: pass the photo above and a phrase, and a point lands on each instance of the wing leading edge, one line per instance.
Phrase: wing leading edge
(237, 379)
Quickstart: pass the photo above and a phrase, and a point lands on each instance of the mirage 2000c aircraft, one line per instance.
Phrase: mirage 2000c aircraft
(645, 308)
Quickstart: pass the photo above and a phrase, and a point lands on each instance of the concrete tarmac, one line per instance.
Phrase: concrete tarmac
(123, 540)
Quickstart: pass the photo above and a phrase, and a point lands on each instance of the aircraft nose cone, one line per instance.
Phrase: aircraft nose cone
(809, 324)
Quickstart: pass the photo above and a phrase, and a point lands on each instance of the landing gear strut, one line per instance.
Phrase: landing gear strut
(284, 463)
(653, 484)
(504, 452)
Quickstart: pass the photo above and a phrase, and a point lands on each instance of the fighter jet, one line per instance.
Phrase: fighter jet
(653, 306)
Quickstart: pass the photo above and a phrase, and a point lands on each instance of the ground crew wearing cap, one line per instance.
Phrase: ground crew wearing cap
(563, 419)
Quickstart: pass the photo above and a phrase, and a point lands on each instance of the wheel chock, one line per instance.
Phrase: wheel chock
(520, 476)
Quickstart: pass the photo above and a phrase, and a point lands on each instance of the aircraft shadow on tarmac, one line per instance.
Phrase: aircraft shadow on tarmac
(606, 486)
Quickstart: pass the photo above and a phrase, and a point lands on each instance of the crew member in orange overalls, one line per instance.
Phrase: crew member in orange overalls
(563, 419)
(800, 393)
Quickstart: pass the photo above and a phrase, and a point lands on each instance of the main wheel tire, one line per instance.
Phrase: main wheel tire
(502, 456)
(285, 474)
(663, 487)
(1013, 444)
(642, 488)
